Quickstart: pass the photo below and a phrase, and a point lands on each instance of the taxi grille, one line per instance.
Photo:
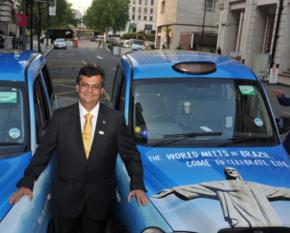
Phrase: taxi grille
(257, 230)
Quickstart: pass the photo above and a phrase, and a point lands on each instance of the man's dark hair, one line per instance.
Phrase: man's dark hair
(90, 70)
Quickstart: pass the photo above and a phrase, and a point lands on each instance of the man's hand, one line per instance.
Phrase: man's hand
(16, 196)
(277, 92)
(140, 196)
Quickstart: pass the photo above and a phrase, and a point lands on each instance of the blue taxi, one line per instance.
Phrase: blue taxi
(27, 102)
(210, 146)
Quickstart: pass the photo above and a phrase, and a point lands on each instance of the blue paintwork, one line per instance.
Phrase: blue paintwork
(11, 169)
(13, 64)
(158, 64)
(167, 167)
(25, 216)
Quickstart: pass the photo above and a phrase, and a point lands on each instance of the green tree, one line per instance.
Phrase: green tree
(105, 15)
(41, 22)
(64, 16)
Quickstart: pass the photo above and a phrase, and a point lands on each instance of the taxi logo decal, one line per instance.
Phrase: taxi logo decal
(14, 133)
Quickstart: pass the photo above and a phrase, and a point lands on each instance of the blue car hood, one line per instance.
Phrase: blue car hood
(208, 189)
(11, 170)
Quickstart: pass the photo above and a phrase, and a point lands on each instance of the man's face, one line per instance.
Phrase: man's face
(232, 172)
(90, 90)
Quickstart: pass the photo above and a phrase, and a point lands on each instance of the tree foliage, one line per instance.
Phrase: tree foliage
(64, 16)
(105, 15)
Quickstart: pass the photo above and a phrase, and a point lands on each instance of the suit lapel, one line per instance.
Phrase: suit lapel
(100, 126)
(75, 127)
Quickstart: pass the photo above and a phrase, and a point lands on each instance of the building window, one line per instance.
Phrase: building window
(140, 2)
(151, 11)
(146, 2)
(151, 18)
(139, 10)
(148, 27)
(139, 17)
(133, 9)
(210, 5)
(134, 1)
(152, 2)
(162, 6)
(145, 10)
(133, 17)
(145, 17)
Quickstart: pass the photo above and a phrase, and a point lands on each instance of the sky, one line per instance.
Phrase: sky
(80, 5)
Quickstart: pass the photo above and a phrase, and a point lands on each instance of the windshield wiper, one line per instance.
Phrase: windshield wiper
(237, 140)
(192, 135)
(173, 138)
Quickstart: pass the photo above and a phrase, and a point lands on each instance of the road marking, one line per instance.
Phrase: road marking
(100, 57)
(63, 80)
(84, 62)
(64, 93)
(65, 85)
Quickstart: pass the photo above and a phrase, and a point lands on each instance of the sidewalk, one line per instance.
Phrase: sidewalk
(281, 81)
(45, 50)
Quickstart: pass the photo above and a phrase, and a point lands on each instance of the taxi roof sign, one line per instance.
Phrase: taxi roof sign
(199, 67)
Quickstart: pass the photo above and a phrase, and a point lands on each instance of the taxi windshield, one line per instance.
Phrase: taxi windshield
(201, 112)
(12, 119)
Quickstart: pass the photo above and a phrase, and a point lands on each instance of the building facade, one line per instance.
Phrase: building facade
(251, 28)
(187, 24)
(7, 16)
(142, 16)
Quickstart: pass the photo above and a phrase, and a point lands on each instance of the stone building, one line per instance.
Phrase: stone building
(7, 20)
(187, 24)
(250, 29)
(142, 16)
(7, 16)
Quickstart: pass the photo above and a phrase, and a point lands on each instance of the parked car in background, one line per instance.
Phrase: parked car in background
(136, 44)
(59, 43)
(212, 157)
(126, 43)
(27, 102)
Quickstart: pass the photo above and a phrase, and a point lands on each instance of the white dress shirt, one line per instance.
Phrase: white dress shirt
(94, 112)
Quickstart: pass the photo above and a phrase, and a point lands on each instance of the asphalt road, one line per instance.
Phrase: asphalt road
(65, 64)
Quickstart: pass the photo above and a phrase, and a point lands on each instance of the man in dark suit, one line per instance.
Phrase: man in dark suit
(86, 150)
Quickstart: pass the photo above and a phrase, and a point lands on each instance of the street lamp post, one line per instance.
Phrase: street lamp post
(203, 24)
(22, 33)
(31, 24)
(47, 25)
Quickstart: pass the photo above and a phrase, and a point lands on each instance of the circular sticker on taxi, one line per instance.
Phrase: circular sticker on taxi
(258, 122)
(14, 133)
(137, 129)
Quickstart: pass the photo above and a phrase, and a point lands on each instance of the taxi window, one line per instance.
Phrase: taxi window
(118, 92)
(12, 117)
(48, 82)
(200, 111)
(41, 107)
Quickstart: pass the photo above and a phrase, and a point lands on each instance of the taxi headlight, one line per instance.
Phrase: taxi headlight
(152, 230)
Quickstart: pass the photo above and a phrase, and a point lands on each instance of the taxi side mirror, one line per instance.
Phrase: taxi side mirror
(283, 124)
